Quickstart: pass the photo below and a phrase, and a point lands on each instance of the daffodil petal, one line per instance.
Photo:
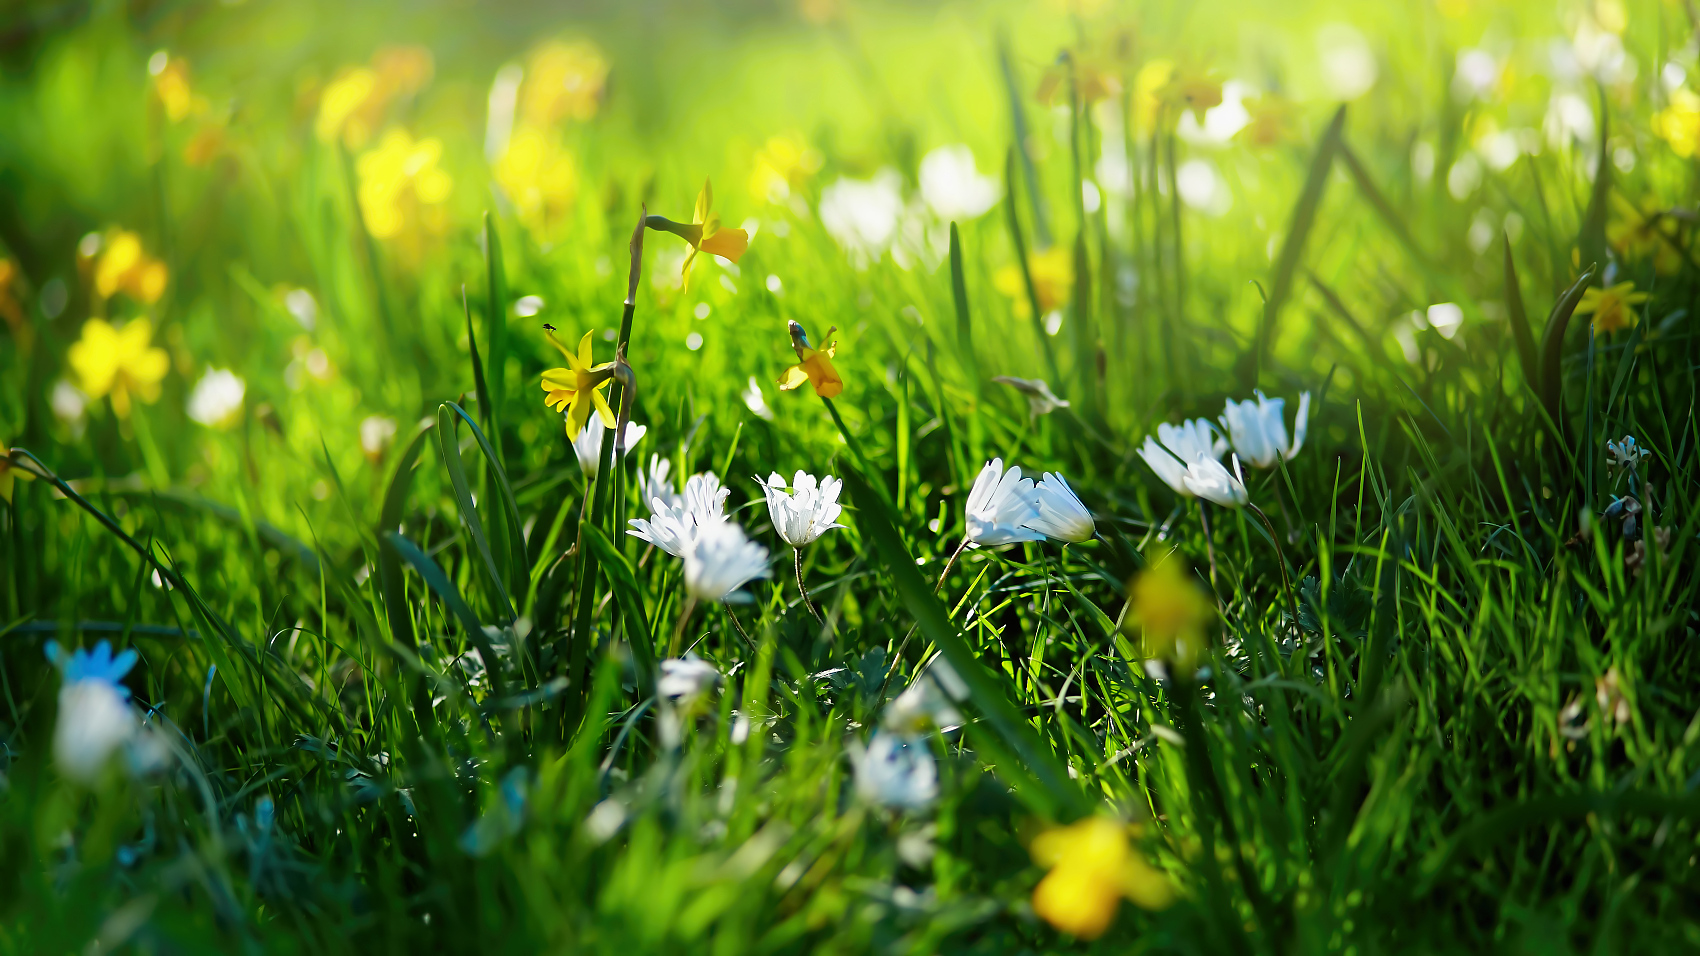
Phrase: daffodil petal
(793, 377)
(559, 378)
(602, 409)
(727, 243)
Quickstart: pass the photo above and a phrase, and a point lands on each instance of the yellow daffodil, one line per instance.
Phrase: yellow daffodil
(783, 163)
(704, 233)
(1679, 123)
(1053, 280)
(121, 362)
(562, 81)
(9, 473)
(1636, 234)
(813, 365)
(1151, 78)
(171, 85)
(1091, 869)
(1611, 307)
(1171, 611)
(537, 174)
(121, 265)
(1193, 90)
(577, 388)
(403, 190)
(1271, 118)
(353, 104)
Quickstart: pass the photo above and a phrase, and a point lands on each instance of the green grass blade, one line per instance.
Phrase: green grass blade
(450, 445)
(1060, 798)
(1520, 321)
(495, 326)
(630, 597)
(1552, 346)
(445, 589)
(1293, 243)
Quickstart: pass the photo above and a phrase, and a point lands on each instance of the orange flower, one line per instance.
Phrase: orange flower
(813, 365)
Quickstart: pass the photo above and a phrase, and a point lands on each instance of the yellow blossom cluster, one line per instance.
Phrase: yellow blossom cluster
(121, 265)
(1053, 280)
(403, 189)
(1679, 123)
(119, 361)
(354, 104)
(535, 169)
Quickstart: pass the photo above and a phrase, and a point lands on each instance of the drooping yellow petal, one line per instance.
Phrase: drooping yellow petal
(555, 378)
(705, 202)
(727, 243)
(559, 399)
(685, 271)
(602, 409)
(578, 412)
(823, 375)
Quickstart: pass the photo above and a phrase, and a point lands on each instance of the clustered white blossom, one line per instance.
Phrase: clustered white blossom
(1188, 456)
(1004, 508)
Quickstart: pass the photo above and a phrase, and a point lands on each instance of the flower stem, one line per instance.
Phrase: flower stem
(1280, 560)
(679, 626)
(959, 549)
(803, 588)
(751, 644)
(1209, 542)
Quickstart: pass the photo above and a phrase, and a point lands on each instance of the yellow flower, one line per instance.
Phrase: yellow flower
(782, 163)
(171, 85)
(353, 105)
(119, 361)
(1171, 611)
(1270, 120)
(122, 266)
(537, 174)
(1053, 280)
(1091, 869)
(704, 233)
(562, 81)
(1611, 307)
(1679, 123)
(402, 189)
(9, 473)
(575, 389)
(1636, 234)
(813, 365)
(1151, 78)
(1193, 90)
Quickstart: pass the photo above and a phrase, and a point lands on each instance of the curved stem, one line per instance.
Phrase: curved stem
(740, 629)
(1280, 560)
(802, 588)
(679, 627)
(1209, 541)
(954, 555)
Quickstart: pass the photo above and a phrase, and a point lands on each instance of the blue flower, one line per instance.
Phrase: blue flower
(99, 664)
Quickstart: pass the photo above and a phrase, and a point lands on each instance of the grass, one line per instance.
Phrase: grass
(409, 688)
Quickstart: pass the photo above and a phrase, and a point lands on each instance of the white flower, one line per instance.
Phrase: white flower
(1194, 439)
(376, 433)
(807, 511)
(1209, 479)
(300, 304)
(1626, 453)
(861, 215)
(1040, 399)
(94, 721)
(1061, 515)
(657, 482)
(588, 444)
(677, 518)
(719, 560)
(216, 399)
(895, 770)
(1258, 433)
(1167, 466)
(952, 187)
(68, 402)
(686, 679)
(999, 505)
(753, 398)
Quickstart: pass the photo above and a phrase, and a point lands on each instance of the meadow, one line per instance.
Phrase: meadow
(842, 476)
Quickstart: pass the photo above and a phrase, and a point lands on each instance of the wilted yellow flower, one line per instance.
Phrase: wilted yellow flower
(577, 388)
(1194, 90)
(1091, 869)
(704, 233)
(121, 265)
(1171, 611)
(1679, 123)
(562, 81)
(782, 163)
(537, 174)
(402, 187)
(813, 365)
(1611, 307)
(1270, 120)
(171, 85)
(353, 104)
(1053, 281)
(119, 362)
